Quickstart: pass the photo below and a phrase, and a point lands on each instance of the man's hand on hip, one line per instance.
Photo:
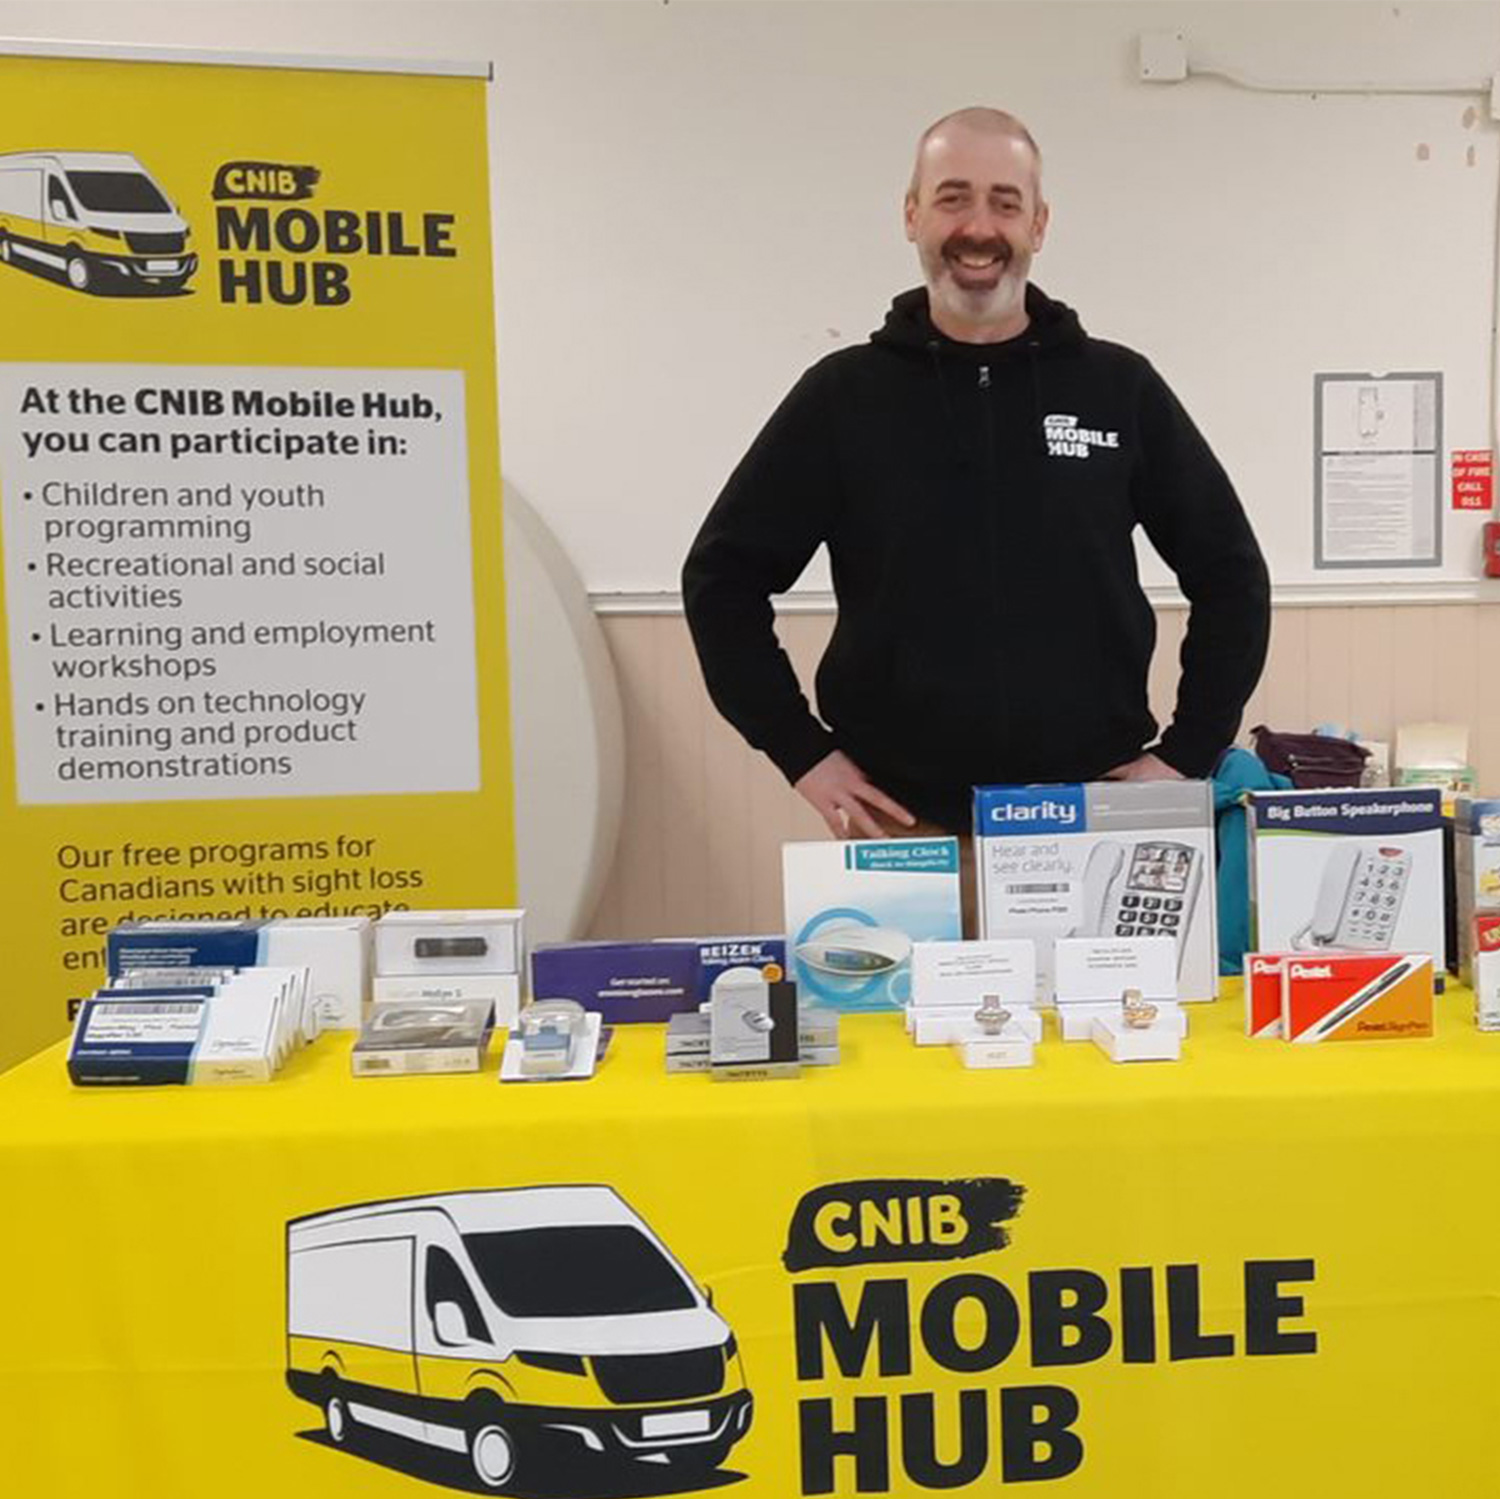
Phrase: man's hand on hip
(1147, 767)
(836, 787)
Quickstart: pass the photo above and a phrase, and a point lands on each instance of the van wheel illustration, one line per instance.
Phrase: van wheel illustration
(336, 1418)
(493, 1454)
(80, 277)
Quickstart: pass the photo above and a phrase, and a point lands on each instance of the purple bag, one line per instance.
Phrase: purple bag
(1311, 761)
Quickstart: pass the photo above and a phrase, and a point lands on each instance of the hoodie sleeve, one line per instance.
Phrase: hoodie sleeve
(777, 508)
(1195, 521)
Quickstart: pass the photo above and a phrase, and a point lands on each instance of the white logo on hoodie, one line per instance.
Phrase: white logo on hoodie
(1066, 439)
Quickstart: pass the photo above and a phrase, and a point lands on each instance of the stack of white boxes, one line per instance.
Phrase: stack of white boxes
(451, 957)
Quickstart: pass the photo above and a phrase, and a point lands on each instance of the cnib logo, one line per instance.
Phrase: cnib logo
(238, 180)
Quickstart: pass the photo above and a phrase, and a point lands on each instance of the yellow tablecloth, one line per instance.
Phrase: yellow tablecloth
(1266, 1268)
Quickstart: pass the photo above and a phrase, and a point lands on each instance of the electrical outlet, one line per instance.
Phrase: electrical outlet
(1163, 57)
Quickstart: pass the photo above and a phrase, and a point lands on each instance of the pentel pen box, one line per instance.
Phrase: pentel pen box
(854, 909)
(1108, 859)
(1347, 870)
(1357, 997)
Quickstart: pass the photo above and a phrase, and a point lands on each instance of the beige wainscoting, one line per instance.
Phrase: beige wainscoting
(705, 817)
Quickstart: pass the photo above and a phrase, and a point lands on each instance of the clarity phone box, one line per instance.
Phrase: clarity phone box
(1347, 870)
(1111, 859)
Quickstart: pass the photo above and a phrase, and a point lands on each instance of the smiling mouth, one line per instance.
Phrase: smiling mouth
(977, 266)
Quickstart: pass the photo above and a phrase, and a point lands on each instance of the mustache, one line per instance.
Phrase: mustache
(964, 244)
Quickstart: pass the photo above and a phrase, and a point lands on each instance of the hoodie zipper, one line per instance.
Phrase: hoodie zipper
(990, 508)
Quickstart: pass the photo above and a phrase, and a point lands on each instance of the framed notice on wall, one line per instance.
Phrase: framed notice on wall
(1378, 480)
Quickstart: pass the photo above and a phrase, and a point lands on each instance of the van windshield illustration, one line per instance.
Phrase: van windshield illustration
(532, 1332)
(97, 218)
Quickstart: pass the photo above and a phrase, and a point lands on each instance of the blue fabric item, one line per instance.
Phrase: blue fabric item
(1237, 772)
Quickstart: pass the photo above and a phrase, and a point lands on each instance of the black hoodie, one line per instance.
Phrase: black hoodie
(977, 501)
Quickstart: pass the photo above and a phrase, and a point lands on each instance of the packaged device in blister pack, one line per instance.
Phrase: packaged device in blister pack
(1109, 860)
(1352, 870)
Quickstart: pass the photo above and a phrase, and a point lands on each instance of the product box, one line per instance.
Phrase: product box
(500, 990)
(947, 1025)
(423, 1038)
(1486, 966)
(1263, 976)
(718, 954)
(688, 1034)
(334, 949)
(1347, 870)
(1109, 859)
(233, 1033)
(622, 981)
(421, 942)
(1075, 1022)
(752, 1020)
(1357, 997)
(1124, 1043)
(854, 909)
(1476, 871)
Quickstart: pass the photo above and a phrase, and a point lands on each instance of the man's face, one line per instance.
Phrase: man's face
(976, 220)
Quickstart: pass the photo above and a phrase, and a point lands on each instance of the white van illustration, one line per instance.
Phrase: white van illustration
(528, 1329)
(99, 217)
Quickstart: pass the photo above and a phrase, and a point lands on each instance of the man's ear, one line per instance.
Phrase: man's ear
(1039, 224)
(909, 216)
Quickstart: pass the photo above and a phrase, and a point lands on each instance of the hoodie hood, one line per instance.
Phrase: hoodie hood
(909, 327)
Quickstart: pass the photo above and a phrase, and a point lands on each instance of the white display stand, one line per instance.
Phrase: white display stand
(567, 732)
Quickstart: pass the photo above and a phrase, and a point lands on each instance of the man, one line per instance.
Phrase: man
(976, 471)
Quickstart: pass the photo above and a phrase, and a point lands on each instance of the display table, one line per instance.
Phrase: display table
(1266, 1268)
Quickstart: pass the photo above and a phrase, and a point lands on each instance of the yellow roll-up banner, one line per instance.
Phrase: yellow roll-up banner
(250, 505)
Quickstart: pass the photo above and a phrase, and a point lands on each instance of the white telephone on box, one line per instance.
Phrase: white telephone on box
(1140, 890)
(1359, 899)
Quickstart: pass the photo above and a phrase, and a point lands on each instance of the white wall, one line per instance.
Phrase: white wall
(694, 200)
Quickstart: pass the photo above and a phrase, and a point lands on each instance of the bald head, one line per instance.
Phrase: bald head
(979, 120)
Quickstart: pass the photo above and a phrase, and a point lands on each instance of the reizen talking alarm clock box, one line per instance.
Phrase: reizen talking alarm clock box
(1476, 872)
(1347, 870)
(854, 909)
(1107, 859)
(717, 955)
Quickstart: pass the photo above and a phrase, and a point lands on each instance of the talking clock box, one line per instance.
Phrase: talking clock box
(854, 909)
(1107, 859)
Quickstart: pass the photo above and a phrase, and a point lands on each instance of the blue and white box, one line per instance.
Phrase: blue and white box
(334, 949)
(1105, 859)
(1347, 870)
(623, 981)
(854, 909)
